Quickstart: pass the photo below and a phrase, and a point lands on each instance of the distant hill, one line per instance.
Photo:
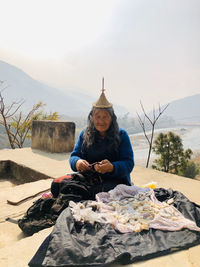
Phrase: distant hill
(185, 110)
(21, 86)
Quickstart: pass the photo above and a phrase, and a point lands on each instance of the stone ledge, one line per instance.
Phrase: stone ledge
(52, 165)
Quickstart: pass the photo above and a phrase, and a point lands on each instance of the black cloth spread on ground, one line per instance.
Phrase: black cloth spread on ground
(75, 244)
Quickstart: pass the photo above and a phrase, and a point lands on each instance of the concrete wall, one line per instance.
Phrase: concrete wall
(53, 136)
(18, 173)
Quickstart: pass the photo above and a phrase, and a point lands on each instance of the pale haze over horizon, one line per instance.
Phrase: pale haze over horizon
(145, 50)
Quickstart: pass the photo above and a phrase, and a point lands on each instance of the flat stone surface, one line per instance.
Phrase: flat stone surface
(20, 253)
(16, 250)
(5, 184)
(23, 191)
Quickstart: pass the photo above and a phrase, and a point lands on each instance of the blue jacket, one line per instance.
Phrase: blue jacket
(123, 161)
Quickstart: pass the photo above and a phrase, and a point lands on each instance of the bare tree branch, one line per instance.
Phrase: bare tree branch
(9, 108)
(153, 123)
(18, 127)
(145, 114)
(142, 124)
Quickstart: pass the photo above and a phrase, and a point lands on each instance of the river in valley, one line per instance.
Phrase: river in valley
(190, 136)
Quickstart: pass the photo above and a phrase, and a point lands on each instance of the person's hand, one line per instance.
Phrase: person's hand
(104, 166)
(82, 165)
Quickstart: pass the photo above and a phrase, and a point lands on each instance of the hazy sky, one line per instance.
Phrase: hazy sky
(147, 50)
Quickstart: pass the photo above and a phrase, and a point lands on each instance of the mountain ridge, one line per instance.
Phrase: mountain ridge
(186, 109)
(22, 86)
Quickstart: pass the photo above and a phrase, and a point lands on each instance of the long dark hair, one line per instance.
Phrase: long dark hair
(112, 134)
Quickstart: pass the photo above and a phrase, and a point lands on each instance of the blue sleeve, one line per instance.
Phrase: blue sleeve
(76, 153)
(125, 164)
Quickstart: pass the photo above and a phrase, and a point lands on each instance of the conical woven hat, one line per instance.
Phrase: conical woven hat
(102, 102)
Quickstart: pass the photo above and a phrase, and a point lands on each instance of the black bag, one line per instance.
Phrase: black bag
(85, 184)
(38, 217)
(44, 212)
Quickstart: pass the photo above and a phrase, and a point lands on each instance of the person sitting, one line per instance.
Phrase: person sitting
(104, 146)
(102, 158)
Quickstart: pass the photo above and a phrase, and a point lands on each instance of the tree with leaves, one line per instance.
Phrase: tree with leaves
(18, 126)
(190, 170)
(172, 156)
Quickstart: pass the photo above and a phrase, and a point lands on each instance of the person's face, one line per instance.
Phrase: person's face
(102, 120)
